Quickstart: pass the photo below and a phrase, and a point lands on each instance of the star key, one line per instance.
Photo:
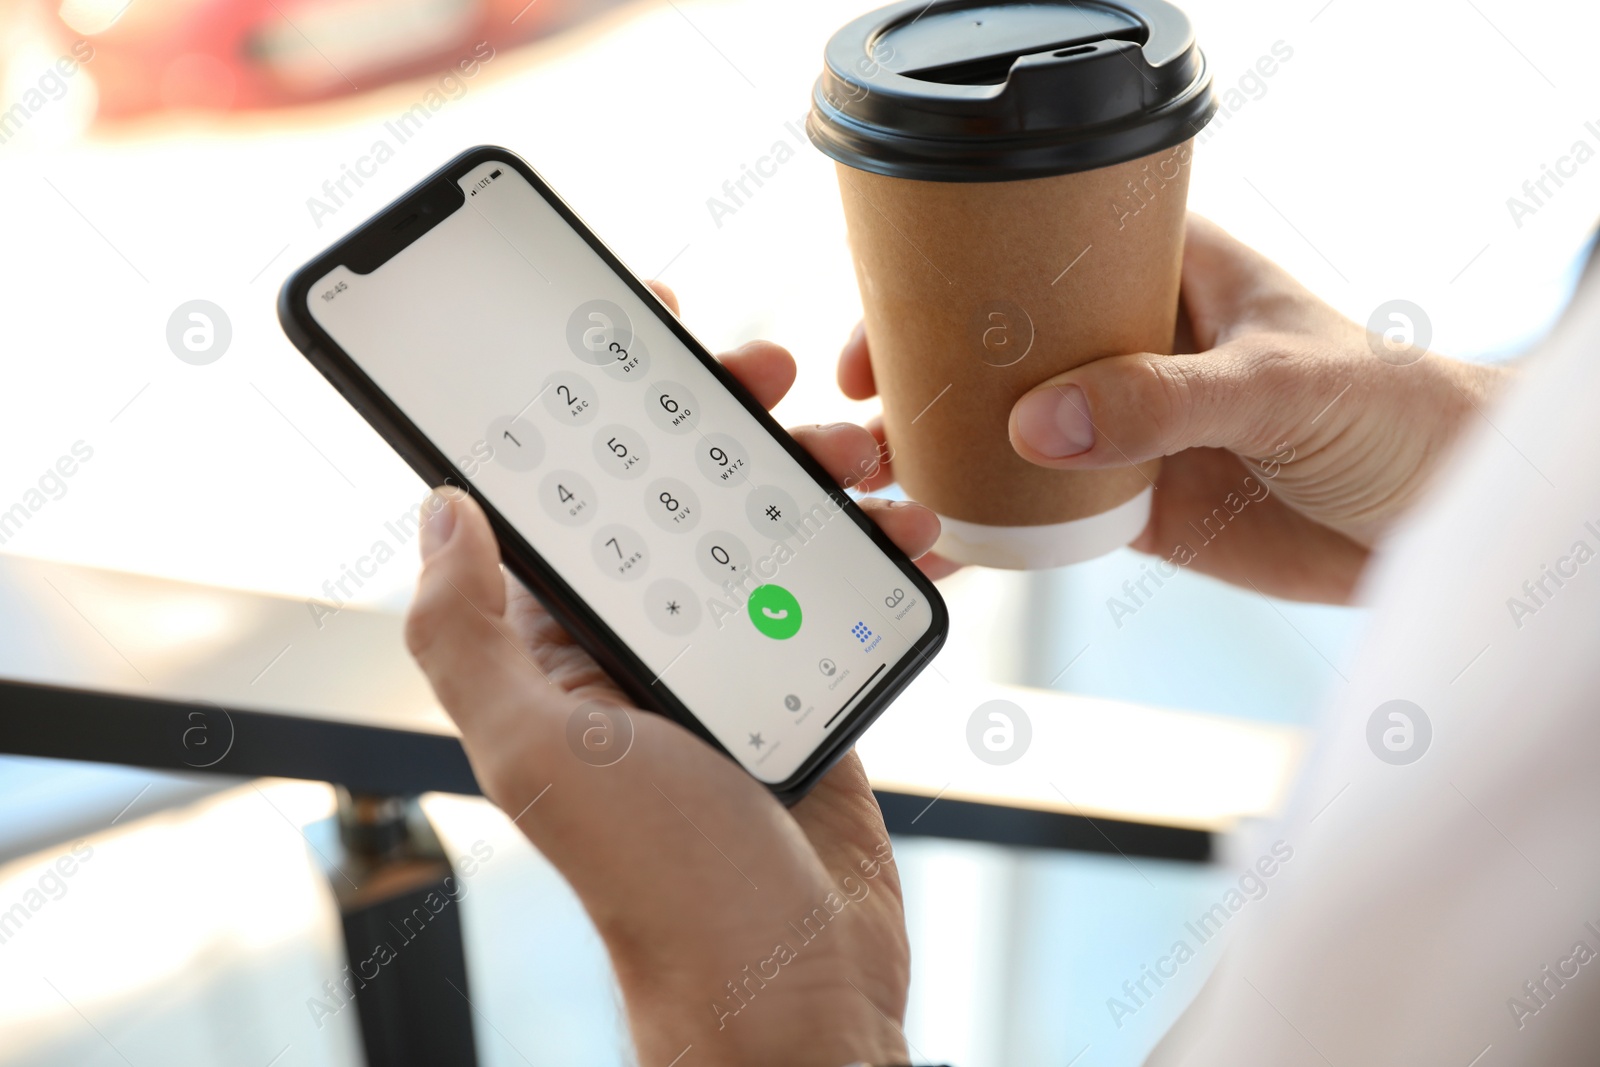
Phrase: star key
(756, 741)
(672, 607)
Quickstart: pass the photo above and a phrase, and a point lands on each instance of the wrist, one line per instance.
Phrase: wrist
(795, 1028)
(816, 1046)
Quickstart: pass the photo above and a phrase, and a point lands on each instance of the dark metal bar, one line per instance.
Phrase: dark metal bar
(963, 820)
(400, 904)
(103, 727)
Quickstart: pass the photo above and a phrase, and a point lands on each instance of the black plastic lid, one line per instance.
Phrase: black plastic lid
(957, 90)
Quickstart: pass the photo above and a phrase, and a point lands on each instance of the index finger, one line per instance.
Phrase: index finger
(668, 297)
(855, 366)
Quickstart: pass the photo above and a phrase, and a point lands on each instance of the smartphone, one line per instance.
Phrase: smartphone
(703, 558)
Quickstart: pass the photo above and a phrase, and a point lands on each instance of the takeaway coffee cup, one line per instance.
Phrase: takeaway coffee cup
(1014, 178)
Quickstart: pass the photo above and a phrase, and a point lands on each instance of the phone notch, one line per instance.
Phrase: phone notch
(403, 224)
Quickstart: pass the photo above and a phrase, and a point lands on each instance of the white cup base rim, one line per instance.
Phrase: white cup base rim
(1026, 548)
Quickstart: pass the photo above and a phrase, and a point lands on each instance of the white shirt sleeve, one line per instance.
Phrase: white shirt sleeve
(1446, 911)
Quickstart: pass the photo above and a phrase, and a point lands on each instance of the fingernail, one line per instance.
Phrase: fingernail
(438, 523)
(899, 503)
(1055, 422)
(855, 336)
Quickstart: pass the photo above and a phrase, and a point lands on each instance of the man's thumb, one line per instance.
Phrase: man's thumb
(456, 628)
(1123, 410)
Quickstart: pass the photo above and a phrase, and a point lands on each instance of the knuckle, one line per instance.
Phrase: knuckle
(1275, 362)
(423, 624)
(1272, 368)
(1174, 388)
(1283, 373)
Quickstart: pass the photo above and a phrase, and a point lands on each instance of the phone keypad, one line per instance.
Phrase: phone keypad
(722, 557)
(621, 452)
(673, 407)
(517, 445)
(672, 505)
(722, 460)
(568, 497)
(630, 364)
(772, 512)
(601, 335)
(570, 399)
(620, 551)
(672, 606)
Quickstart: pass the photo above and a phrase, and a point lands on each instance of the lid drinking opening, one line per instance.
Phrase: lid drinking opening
(995, 69)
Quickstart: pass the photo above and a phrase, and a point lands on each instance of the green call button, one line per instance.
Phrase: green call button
(775, 612)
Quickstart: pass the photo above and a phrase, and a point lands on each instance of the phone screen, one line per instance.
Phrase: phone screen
(583, 418)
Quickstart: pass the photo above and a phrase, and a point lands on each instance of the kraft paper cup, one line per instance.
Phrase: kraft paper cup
(974, 293)
(1015, 178)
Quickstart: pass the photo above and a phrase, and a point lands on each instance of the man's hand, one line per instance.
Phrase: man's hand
(753, 933)
(1279, 388)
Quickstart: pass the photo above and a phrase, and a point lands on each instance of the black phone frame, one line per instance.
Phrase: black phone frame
(373, 243)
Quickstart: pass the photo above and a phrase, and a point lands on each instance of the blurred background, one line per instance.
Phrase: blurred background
(154, 152)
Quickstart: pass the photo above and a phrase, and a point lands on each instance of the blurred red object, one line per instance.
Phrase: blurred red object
(240, 54)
